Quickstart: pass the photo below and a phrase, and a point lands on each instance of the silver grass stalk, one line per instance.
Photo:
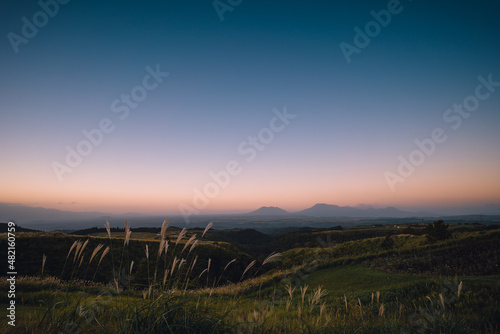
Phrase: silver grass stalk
(163, 229)
(127, 229)
(108, 229)
(161, 248)
(173, 266)
(72, 247)
(44, 258)
(106, 251)
(227, 265)
(83, 247)
(77, 250)
(181, 235)
(209, 225)
(247, 268)
(190, 240)
(81, 260)
(96, 250)
(193, 246)
(165, 274)
(204, 270)
(273, 257)
(127, 237)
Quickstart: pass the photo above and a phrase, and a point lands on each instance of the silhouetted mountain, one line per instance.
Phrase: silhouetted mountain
(269, 211)
(328, 210)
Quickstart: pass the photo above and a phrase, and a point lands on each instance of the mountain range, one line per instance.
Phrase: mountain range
(52, 219)
(329, 210)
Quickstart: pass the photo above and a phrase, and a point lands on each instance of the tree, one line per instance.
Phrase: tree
(438, 230)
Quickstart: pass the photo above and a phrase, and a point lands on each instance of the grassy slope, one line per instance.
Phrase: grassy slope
(357, 269)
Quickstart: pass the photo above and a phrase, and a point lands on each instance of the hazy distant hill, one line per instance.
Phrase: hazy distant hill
(328, 210)
(4, 228)
(23, 214)
(269, 211)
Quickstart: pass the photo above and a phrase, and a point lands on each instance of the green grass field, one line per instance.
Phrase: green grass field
(355, 279)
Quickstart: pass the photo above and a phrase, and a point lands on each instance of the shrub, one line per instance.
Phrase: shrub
(438, 230)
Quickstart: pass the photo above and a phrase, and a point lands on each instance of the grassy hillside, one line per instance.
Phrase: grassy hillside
(381, 279)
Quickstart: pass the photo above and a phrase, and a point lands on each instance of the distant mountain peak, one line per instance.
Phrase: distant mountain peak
(269, 211)
(324, 205)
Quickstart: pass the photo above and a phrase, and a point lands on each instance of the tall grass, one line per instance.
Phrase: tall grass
(161, 305)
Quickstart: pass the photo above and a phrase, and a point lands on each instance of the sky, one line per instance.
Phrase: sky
(225, 106)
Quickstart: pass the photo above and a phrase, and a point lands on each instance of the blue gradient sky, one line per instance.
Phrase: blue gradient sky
(353, 119)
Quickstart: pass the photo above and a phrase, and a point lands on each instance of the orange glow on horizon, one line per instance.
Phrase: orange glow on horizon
(106, 191)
